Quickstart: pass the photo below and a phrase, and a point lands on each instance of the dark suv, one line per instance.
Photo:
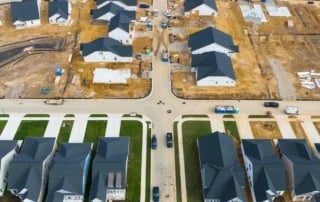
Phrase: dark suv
(271, 104)
(169, 140)
(155, 193)
(154, 142)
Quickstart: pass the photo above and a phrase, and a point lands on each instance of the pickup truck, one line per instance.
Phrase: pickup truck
(220, 109)
(54, 101)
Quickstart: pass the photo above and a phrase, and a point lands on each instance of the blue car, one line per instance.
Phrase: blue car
(154, 142)
(155, 194)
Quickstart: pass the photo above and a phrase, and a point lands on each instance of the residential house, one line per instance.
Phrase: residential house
(302, 168)
(317, 150)
(28, 171)
(109, 169)
(106, 50)
(121, 27)
(8, 150)
(200, 7)
(213, 69)
(105, 13)
(221, 175)
(210, 39)
(26, 13)
(129, 5)
(59, 12)
(68, 173)
(265, 171)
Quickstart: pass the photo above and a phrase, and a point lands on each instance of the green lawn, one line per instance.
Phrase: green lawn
(94, 130)
(195, 116)
(98, 115)
(65, 131)
(191, 131)
(36, 115)
(133, 130)
(2, 125)
(231, 129)
(31, 128)
(176, 159)
(148, 174)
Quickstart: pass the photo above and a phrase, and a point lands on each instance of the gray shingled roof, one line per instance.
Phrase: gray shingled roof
(106, 44)
(25, 170)
(222, 176)
(111, 157)
(67, 171)
(7, 146)
(109, 8)
(268, 169)
(209, 36)
(212, 64)
(305, 165)
(58, 7)
(126, 2)
(25, 10)
(122, 20)
(191, 4)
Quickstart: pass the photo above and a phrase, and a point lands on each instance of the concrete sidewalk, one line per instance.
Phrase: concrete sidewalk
(244, 127)
(113, 126)
(54, 125)
(12, 126)
(79, 128)
(285, 127)
(310, 129)
(216, 122)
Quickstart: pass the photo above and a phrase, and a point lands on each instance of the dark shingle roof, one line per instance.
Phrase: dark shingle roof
(268, 169)
(212, 64)
(68, 170)
(25, 10)
(222, 176)
(58, 7)
(7, 146)
(111, 157)
(106, 44)
(109, 8)
(305, 165)
(25, 170)
(126, 2)
(191, 4)
(121, 20)
(208, 36)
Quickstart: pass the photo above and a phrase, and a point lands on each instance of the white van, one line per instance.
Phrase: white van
(292, 110)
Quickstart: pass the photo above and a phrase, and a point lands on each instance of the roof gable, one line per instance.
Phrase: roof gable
(25, 10)
(211, 35)
(58, 7)
(109, 8)
(121, 20)
(191, 4)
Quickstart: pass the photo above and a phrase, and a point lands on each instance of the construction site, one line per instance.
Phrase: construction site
(271, 54)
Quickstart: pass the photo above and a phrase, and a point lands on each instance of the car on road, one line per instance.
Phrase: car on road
(143, 5)
(271, 104)
(154, 142)
(169, 140)
(155, 193)
(292, 110)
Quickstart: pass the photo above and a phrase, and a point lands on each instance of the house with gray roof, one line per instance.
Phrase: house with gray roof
(106, 49)
(210, 39)
(109, 169)
(8, 150)
(59, 12)
(221, 175)
(213, 69)
(129, 5)
(121, 27)
(201, 7)
(265, 171)
(28, 171)
(302, 168)
(25, 14)
(68, 172)
(105, 13)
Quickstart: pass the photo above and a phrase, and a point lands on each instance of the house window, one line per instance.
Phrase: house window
(115, 58)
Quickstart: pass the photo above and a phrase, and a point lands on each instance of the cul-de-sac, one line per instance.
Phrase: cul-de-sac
(159, 101)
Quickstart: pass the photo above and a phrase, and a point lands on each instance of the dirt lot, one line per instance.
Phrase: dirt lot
(265, 130)
(29, 79)
(293, 48)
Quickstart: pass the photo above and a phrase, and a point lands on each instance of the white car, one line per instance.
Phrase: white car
(292, 110)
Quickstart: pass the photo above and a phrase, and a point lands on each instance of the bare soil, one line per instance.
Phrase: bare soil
(265, 130)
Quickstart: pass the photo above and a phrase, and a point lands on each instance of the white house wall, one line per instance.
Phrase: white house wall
(122, 5)
(104, 56)
(106, 16)
(30, 23)
(212, 47)
(249, 171)
(45, 172)
(5, 162)
(216, 81)
(121, 35)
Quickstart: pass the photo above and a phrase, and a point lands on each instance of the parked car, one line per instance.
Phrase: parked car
(271, 104)
(169, 140)
(143, 5)
(155, 193)
(154, 142)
